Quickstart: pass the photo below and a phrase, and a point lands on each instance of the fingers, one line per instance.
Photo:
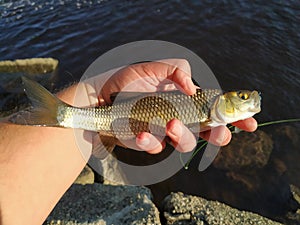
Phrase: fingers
(149, 143)
(249, 124)
(183, 81)
(219, 136)
(182, 64)
(181, 137)
(177, 71)
(180, 73)
(184, 140)
(144, 142)
(150, 77)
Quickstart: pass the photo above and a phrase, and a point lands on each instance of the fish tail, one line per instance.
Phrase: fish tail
(45, 106)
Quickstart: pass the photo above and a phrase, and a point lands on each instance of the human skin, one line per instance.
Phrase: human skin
(38, 164)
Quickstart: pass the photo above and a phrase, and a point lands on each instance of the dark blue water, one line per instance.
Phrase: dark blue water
(247, 44)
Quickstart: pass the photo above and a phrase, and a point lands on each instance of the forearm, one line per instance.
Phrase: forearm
(37, 165)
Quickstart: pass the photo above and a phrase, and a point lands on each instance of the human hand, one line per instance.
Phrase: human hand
(161, 76)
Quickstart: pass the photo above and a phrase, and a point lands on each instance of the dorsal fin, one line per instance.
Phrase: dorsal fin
(127, 95)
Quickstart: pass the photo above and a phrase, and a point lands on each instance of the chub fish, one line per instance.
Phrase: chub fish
(132, 113)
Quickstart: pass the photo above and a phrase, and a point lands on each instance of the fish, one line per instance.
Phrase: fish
(132, 113)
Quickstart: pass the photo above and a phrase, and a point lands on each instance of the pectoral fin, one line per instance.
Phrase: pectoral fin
(204, 126)
(199, 127)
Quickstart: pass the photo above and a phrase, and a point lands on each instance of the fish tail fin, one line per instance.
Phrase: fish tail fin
(45, 106)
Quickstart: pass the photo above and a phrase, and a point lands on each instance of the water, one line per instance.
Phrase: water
(246, 45)
(251, 45)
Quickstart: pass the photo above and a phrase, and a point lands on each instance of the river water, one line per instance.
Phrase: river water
(247, 44)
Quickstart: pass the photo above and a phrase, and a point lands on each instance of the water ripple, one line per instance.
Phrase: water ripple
(256, 44)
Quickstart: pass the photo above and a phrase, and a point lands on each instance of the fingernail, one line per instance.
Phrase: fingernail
(176, 131)
(221, 138)
(144, 141)
(190, 85)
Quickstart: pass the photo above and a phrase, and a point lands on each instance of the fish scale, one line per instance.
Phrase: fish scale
(139, 112)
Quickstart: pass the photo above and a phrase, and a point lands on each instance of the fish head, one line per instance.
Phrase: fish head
(236, 105)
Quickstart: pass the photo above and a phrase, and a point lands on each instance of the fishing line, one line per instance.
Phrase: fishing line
(195, 152)
(278, 121)
(231, 127)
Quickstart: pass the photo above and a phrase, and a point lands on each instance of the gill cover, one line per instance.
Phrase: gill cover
(237, 105)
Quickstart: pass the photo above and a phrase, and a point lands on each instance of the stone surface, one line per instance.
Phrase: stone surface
(296, 193)
(108, 169)
(185, 209)
(86, 176)
(257, 180)
(95, 204)
(294, 217)
(12, 93)
(98, 204)
(245, 151)
(29, 66)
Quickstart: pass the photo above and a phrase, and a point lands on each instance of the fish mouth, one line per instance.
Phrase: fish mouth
(256, 102)
(255, 109)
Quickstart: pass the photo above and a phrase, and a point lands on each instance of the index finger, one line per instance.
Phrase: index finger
(184, 81)
(180, 73)
(249, 124)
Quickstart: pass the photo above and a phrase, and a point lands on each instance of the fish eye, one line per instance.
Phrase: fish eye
(243, 95)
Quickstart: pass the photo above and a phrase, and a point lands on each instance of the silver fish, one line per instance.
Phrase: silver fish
(138, 112)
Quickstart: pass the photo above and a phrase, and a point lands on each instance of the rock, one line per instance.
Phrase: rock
(11, 90)
(294, 217)
(245, 151)
(86, 176)
(185, 209)
(296, 193)
(289, 136)
(258, 180)
(108, 170)
(29, 66)
(104, 204)
(286, 148)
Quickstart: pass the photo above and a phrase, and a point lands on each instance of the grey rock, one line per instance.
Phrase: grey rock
(97, 204)
(109, 169)
(295, 216)
(296, 192)
(86, 176)
(185, 209)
